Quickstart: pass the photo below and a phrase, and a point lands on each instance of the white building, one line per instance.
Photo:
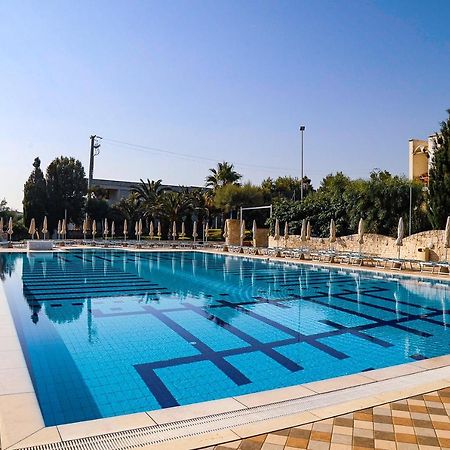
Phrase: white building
(121, 189)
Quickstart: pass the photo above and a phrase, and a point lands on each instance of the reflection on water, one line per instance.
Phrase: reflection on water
(64, 313)
(124, 332)
(60, 284)
(42, 274)
(7, 264)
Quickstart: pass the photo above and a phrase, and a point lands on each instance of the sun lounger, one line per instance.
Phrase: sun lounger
(297, 253)
(251, 250)
(356, 260)
(444, 267)
(235, 249)
(428, 266)
(400, 264)
(274, 251)
(329, 256)
(380, 262)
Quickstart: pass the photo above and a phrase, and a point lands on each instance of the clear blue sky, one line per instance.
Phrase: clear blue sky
(222, 80)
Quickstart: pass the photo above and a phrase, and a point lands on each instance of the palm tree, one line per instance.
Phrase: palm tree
(149, 193)
(129, 207)
(222, 175)
(174, 205)
(203, 204)
(148, 188)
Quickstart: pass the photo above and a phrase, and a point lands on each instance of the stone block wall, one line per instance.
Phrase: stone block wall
(233, 232)
(376, 244)
(262, 237)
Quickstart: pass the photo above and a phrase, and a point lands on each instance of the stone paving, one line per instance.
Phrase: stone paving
(417, 423)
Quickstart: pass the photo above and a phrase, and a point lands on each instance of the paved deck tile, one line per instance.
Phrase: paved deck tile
(420, 422)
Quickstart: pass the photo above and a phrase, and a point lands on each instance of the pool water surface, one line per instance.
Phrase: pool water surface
(110, 332)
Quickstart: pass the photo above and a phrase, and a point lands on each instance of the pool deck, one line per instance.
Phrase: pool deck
(230, 420)
(417, 423)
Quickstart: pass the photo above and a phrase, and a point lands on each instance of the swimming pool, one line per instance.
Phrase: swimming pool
(109, 332)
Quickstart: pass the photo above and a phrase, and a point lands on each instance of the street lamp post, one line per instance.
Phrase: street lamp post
(302, 129)
(410, 209)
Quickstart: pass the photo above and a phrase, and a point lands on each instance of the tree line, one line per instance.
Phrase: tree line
(380, 199)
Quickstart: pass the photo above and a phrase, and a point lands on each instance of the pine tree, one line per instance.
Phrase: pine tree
(66, 188)
(439, 188)
(35, 195)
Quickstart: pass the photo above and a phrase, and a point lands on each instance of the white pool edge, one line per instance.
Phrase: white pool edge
(20, 414)
(22, 425)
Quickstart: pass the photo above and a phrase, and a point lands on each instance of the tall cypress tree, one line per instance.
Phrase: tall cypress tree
(439, 203)
(35, 195)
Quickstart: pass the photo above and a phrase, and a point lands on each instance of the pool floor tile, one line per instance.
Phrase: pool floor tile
(137, 331)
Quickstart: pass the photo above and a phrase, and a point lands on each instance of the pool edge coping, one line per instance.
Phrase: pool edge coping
(21, 395)
(99, 427)
(40, 434)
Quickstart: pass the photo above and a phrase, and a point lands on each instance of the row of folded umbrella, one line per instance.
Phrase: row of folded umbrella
(61, 230)
(32, 230)
(138, 229)
(305, 232)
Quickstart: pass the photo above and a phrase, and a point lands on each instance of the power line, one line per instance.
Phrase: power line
(148, 149)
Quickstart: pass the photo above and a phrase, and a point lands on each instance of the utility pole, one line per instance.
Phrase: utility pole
(302, 129)
(95, 146)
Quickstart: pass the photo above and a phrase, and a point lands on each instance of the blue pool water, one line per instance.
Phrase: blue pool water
(114, 332)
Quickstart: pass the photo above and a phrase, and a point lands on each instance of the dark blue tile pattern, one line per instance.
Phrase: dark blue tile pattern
(216, 326)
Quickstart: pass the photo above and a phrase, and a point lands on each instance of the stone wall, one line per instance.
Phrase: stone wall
(375, 244)
(262, 237)
(233, 232)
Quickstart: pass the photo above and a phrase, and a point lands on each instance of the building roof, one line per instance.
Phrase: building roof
(119, 184)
